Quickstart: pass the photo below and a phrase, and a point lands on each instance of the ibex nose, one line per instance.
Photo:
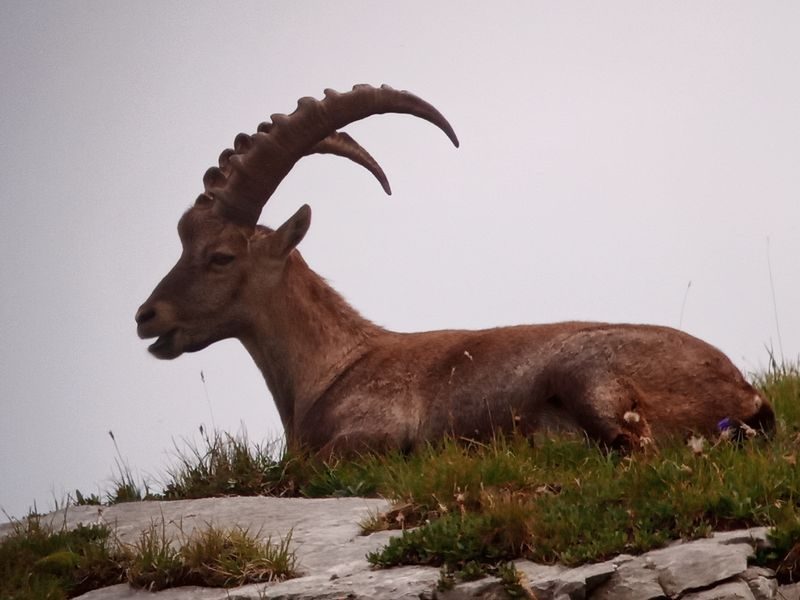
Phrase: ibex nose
(144, 314)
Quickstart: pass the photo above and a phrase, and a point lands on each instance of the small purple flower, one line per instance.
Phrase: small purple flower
(725, 424)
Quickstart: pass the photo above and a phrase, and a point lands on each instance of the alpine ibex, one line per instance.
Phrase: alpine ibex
(342, 383)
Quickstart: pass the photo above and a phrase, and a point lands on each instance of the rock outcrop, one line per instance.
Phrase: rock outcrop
(331, 558)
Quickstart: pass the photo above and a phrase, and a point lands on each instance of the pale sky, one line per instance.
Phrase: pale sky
(611, 153)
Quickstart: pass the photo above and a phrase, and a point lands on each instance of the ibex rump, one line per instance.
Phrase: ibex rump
(342, 383)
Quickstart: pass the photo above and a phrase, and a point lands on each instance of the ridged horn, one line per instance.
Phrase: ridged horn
(342, 144)
(249, 174)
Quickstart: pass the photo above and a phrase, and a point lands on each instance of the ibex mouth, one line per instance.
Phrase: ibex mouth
(171, 345)
(163, 347)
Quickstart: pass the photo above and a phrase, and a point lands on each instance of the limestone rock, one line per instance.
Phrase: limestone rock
(734, 590)
(755, 536)
(574, 584)
(401, 583)
(762, 582)
(404, 583)
(672, 571)
(488, 588)
(634, 580)
(697, 565)
(535, 572)
(331, 558)
(790, 591)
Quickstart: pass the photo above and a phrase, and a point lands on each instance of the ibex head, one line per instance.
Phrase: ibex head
(228, 260)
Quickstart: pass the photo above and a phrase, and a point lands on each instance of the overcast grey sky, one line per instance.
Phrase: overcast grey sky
(611, 153)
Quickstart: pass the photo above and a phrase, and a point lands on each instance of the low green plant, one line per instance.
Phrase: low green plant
(507, 573)
(223, 465)
(512, 581)
(470, 571)
(339, 478)
(231, 558)
(38, 561)
(210, 557)
(153, 563)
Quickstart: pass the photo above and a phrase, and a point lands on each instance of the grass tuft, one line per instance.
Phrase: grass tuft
(226, 465)
(37, 561)
(125, 487)
(211, 557)
(153, 563)
(232, 558)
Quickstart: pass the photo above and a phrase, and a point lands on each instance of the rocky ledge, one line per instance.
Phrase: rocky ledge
(331, 558)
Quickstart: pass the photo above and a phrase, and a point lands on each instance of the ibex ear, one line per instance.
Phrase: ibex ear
(288, 235)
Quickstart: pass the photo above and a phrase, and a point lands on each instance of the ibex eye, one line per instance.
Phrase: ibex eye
(219, 259)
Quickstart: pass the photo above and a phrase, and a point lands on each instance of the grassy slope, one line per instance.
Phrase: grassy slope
(552, 500)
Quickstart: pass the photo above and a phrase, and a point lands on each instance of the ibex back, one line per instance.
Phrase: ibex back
(342, 383)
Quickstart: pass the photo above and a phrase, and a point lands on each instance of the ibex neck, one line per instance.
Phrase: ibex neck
(304, 334)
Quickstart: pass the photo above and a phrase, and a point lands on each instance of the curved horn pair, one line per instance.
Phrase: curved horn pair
(249, 173)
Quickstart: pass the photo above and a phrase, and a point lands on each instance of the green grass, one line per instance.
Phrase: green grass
(226, 465)
(570, 503)
(566, 501)
(38, 561)
(210, 557)
(231, 465)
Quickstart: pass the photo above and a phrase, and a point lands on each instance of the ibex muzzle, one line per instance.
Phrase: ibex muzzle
(342, 383)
